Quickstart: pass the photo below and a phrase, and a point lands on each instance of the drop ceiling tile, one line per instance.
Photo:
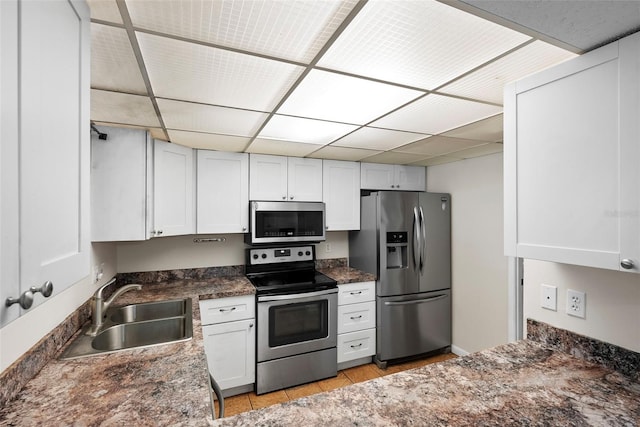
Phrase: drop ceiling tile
(281, 148)
(438, 145)
(292, 29)
(330, 96)
(377, 139)
(480, 150)
(105, 10)
(189, 116)
(393, 157)
(122, 108)
(331, 152)
(209, 141)
(309, 131)
(419, 43)
(433, 161)
(113, 64)
(487, 83)
(435, 114)
(185, 71)
(488, 130)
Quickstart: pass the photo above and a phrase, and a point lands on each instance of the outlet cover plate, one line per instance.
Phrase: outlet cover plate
(548, 297)
(576, 303)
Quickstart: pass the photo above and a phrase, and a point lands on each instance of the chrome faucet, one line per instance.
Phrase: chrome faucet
(99, 306)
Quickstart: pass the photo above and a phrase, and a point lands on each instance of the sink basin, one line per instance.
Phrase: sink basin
(142, 334)
(148, 311)
(136, 326)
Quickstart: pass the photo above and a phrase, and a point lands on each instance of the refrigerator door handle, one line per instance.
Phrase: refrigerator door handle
(416, 301)
(423, 239)
(416, 238)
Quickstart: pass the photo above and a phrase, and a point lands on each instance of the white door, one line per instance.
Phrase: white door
(410, 178)
(173, 176)
(304, 179)
(341, 194)
(222, 192)
(376, 176)
(54, 143)
(267, 177)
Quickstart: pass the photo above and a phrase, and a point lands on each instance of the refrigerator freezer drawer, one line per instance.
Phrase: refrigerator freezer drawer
(413, 324)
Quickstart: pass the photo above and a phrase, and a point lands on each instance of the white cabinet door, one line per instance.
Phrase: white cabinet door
(267, 177)
(230, 349)
(45, 147)
(173, 177)
(341, 194)
(304, 179)
(375, 176)
(222, 192)
(410, 178)
(572, 138)
(119, 185)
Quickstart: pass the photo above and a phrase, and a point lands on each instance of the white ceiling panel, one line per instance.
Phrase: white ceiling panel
(281, 148)
(393, 157)
(209, 141)
(433, 161)
(330, 96)
(377, 139)
(309, 131)
(105, 10)
(435, 114)
(420, 43)
(480, 150)
(210, 119)
(487, 83)
(292, 29)
(122, 108)
(113, 64)
(438, 145)
(488, 130)
(342, 153)
(193, 72)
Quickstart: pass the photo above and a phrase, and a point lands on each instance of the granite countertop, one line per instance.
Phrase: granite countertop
(523, 383)
(344, 275)
(162, 385)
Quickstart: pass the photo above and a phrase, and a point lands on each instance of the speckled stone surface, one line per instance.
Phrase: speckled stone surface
(345, 274)
(330, 263)
(160, 277)
(163, 385)
(519, 384)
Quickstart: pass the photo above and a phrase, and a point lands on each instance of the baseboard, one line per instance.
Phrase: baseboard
(458, 351)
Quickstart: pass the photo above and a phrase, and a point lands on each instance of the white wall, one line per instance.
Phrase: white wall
(479, 268)
(169, 253)
(36, 323)
(612, 301)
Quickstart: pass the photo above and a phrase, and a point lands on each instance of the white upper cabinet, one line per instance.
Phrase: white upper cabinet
(572, 150)
(45, 147)
(284, 178)
(377, 176)
(222, 192)
(341, 194)
(173, 190)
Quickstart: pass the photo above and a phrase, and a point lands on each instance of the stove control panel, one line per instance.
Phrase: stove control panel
(278, 255)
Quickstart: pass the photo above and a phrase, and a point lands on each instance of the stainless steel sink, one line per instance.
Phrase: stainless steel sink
(136, 326)
(148, 311)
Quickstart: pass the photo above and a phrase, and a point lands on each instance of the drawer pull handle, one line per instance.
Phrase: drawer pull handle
(356, 346)
(356, 293)
(359, 316)
(226, 310)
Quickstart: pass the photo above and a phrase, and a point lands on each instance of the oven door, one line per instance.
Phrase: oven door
(280, 222)
(295, 324)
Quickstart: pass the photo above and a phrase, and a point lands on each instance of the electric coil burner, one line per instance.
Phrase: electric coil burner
(297, 309)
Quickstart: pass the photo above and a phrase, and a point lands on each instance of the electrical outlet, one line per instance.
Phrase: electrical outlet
(98, 272)
(576, 303)
(548, 298)
(327, 247)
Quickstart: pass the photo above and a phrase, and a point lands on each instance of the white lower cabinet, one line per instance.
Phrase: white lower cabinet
(228, 331)
(356, 324)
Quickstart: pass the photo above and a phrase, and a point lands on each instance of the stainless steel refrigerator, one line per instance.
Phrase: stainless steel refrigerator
(405, 240)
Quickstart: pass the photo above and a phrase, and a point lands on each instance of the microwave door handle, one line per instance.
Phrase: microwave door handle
(423, 237)
(416, 238)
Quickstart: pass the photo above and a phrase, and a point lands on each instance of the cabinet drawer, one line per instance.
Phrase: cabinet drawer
(355, 317)
(355, 345)
(356, 292)
(227, 309)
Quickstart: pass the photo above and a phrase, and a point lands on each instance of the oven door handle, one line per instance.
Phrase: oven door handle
(265, 298)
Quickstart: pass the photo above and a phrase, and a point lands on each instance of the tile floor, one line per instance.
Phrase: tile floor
(248, 401)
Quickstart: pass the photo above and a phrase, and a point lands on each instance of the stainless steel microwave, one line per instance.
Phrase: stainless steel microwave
(280, 222)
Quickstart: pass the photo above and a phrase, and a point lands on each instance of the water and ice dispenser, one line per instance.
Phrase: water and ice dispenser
(397, 249)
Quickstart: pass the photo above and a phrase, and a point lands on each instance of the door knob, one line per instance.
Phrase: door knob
(626, 263)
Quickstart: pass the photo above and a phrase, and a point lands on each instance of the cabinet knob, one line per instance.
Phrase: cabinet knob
(284, 197)
(291, 197)
(46, 289)
(244, 228)
(393, 186)
(626, 263)
(25, 300)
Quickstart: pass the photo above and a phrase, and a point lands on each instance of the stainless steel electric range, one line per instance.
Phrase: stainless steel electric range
(297, 311)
